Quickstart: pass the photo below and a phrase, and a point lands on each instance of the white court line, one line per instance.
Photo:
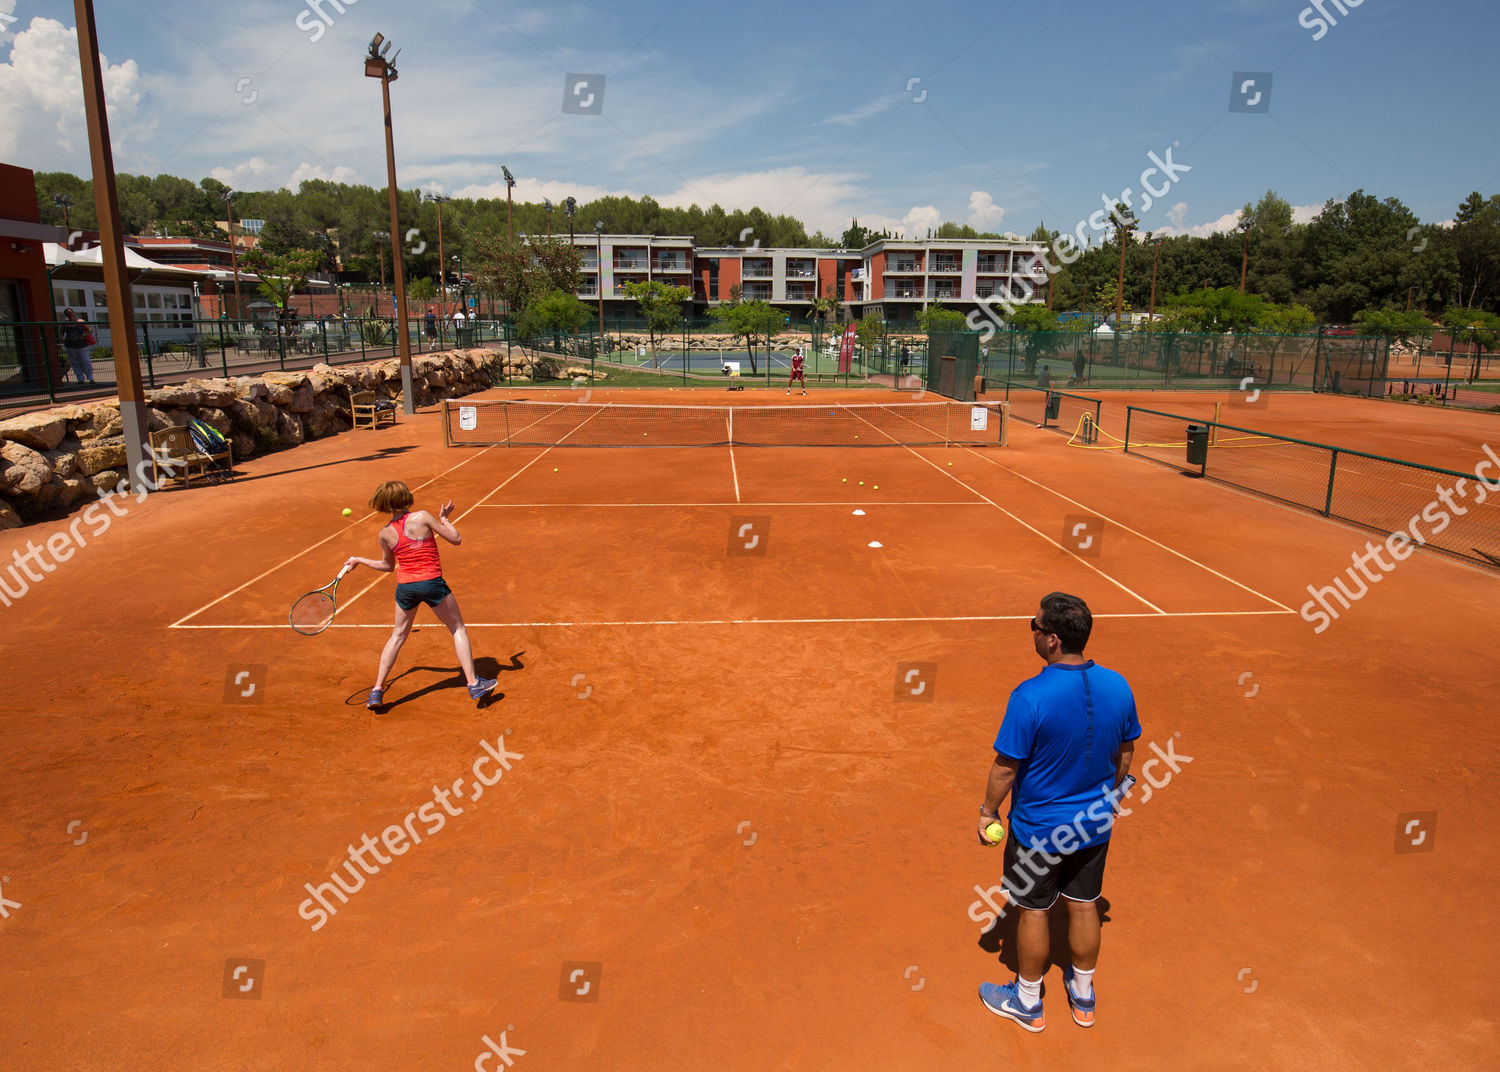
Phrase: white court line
(352, 599)
(1124, 588)
(776, 621)
(850, 502)
(733, 469)
(1142, 535)
(314, 547)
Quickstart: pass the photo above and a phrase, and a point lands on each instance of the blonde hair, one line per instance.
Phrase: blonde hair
(392, 497)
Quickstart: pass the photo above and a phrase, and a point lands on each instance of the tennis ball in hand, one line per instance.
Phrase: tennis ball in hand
(994, 831)
(348, 512)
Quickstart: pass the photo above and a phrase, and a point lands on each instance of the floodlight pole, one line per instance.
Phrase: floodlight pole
(377, 66)
(234, 257)
(1155, 257)
(138, 476)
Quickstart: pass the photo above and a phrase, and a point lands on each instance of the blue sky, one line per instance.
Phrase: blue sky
(996, 114)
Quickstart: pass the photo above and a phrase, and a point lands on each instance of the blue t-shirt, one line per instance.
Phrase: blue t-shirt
(1065, 726)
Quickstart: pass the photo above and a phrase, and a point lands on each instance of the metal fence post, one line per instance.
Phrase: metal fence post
(146, 349)
(1333, 461)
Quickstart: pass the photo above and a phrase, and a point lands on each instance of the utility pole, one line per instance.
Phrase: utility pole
(377, 66)
(136, 429)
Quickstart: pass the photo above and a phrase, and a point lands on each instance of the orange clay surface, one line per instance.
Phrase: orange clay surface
(757, 851)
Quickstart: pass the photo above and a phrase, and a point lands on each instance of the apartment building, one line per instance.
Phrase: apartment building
(903, 276)
(892, 278)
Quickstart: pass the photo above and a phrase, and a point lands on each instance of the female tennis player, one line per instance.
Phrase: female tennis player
(408, 545)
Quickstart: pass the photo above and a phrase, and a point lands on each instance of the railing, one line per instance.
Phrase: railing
(1385, 494)
(36, 367)
(756, 271)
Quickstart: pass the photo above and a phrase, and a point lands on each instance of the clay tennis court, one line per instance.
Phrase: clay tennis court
(732, 841)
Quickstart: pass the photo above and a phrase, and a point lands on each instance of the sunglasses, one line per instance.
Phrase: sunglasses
(1038, 629)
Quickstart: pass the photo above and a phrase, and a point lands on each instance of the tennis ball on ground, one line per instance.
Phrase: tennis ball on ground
(348, 512)
(877, 487)
(994, 831)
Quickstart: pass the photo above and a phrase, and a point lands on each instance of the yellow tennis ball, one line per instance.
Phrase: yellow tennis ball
(843, 480)
(877, 487)
(994, 831)
(554, 468)
(861, 483)
(348, 512)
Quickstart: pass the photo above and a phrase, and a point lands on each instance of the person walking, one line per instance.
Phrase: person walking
(77, 337)
(1064, 749)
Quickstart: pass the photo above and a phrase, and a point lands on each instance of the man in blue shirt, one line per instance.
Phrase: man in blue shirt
(1065, 745)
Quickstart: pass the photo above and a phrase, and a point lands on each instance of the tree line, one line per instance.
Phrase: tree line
(1358, 256)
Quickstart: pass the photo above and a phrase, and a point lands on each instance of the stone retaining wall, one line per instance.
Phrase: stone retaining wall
(53, 459)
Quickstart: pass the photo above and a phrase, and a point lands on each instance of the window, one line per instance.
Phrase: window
(101, 300)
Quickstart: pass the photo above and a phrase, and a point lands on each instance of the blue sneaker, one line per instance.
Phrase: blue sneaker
(481, 688)
(377, 699)
(1083, 1008)
(1005, 1000)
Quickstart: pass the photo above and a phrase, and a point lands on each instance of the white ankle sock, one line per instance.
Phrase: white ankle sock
(1083, 983)
(1031, 993)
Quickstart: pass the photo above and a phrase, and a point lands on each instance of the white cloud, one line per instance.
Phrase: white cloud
(984, 214)
(1228, 222)
(43, 102)
(238, 175)
(916, 222)
(305, 170)
(863, 112)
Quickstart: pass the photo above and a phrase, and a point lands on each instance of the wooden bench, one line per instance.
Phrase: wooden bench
(174, 452)
(368, 412)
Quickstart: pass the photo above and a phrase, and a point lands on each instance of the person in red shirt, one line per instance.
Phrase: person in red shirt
(408, 545)
(797, 374)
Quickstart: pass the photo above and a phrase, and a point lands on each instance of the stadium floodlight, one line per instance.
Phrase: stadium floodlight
(510, 184)
(378, 66)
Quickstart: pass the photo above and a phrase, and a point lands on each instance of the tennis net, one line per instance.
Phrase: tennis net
(527, 423)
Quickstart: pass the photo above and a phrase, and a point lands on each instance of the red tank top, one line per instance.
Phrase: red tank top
(416, 560)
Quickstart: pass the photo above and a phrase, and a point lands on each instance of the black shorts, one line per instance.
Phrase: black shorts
(1033, 881)
(414, 593)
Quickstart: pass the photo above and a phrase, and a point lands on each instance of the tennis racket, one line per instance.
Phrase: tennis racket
(314, 612)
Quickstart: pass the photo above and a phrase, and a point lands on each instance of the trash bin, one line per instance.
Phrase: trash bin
(466, 337)
(1054, 405)
(1197, 444)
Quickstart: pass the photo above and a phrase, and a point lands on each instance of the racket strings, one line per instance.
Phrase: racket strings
(312, 613)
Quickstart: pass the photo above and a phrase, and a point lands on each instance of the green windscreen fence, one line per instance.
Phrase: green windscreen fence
(1381, 493)
(952, 364)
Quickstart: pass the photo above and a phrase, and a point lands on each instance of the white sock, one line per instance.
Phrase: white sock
(1083, 983)
(1031, 993)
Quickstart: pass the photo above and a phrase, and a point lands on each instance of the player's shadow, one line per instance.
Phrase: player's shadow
(1001, 938)
(453, 679)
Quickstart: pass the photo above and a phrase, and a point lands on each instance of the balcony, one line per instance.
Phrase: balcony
(756, 292)
(946, 265)
(904, 267)
(672, 264)
(800, 269)
(943, 290)
(992, 266)
(799, 292)
(907, 291)
(627, 263)
(757, 269)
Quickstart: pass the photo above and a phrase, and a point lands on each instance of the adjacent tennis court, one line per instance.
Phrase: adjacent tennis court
(747, 695)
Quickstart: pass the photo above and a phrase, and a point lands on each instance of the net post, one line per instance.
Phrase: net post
(731, 426)
(447, 431)
(1005, 424)
(1333, 461)
(1213, 429)
(1129, 411)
